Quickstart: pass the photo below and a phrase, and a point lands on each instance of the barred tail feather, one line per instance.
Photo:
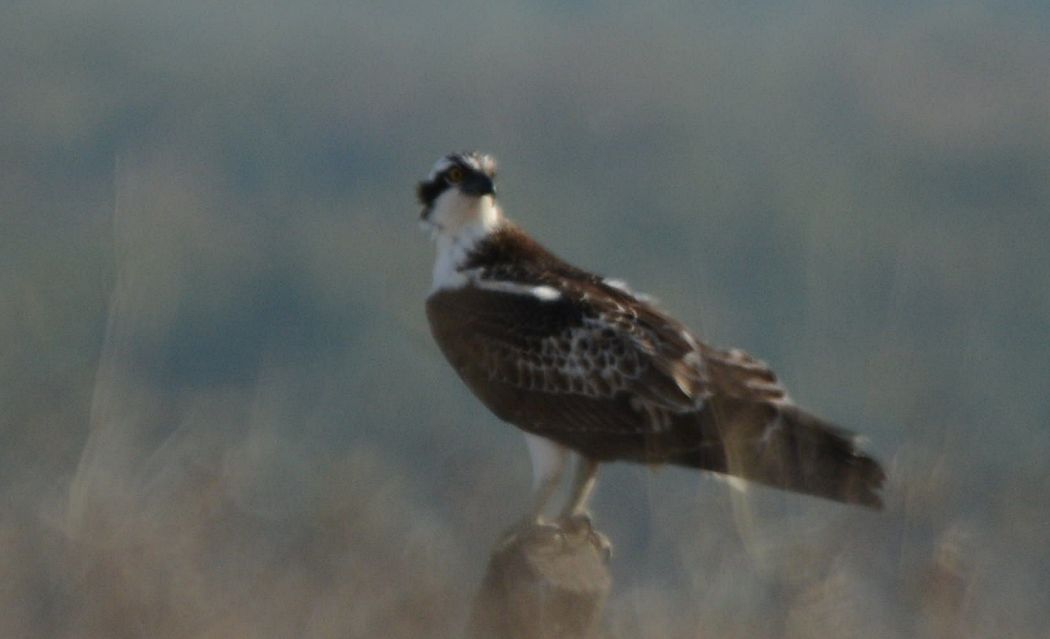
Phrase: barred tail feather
(785, 447)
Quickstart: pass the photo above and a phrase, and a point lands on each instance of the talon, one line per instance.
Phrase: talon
(581, 527)
(603, 544)
(527, 526)
(577, 521)
(583, 520)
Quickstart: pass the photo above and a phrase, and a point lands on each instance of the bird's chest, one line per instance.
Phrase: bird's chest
(459, 328)
(450, 317)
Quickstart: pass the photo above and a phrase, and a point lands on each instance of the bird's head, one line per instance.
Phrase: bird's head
(459, 194)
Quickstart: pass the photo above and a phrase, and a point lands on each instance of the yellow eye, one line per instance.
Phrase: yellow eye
(454, 175)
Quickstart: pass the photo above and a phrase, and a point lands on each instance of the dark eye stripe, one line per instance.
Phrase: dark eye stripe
(427, 192)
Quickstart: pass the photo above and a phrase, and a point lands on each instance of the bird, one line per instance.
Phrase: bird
(586, 366)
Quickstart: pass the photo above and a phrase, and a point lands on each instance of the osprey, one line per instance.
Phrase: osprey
(583, 364)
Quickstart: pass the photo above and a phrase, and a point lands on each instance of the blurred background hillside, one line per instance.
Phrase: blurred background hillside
(223, 415)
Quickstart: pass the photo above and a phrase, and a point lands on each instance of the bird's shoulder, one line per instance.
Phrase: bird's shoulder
(511, 274)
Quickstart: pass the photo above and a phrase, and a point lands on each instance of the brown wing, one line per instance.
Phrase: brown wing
(607, 374)
(572, 367)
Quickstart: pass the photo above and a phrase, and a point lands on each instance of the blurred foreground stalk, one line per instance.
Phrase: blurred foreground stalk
(543, 581)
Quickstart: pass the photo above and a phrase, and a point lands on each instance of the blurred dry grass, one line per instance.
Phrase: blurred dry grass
(222, 413)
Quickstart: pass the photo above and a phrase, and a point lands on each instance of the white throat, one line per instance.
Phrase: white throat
(459, 222)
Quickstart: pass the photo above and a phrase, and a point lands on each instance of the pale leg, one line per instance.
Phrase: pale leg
(548, 465)
(582, 487)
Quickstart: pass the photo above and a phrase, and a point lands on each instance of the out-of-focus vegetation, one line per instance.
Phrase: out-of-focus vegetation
(222, 415)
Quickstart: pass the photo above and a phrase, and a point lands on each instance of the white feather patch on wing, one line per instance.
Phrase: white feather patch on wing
(546, 293)
(542, 292)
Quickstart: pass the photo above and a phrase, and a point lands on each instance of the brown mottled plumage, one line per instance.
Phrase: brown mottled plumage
(584, 362)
